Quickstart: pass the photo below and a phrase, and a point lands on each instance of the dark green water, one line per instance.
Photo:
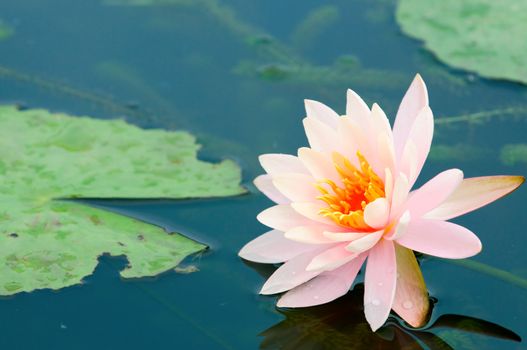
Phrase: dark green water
(238, 82)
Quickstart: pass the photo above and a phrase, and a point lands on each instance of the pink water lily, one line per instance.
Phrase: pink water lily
(348, 198)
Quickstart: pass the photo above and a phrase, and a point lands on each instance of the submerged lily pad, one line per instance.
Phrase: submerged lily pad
(53, 244)
(483, 36)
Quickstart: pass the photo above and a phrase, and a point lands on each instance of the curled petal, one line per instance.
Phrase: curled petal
(264, 183)
(367, 242)
(324, 288)
(440, 238)
(434, 192)
(272, 247)
(276, 163)
(331, 258)
(473, 193)
(321, 137)
(411, 297)
(296, 187)
(291, 274)
(379, 283)
(282, 217)
(376, 213)
(414, 100)
(322, 113)
(308, 234)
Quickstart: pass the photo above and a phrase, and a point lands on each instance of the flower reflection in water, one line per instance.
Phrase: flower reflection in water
(342, 325)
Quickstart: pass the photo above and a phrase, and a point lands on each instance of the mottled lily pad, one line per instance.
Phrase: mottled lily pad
(484, 36)
(48, 243)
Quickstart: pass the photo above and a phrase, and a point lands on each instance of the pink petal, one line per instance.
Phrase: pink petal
(321, 137)
(388, 183)
(379, 283)
(351, 139)
(376, 213)
(275, 164)
(385, 155)
(415, 99)
(409, 160)
(380, 122)
(272, 247)
(291, 274)
(473, 193)
(421, 134)
(434, 192)
(440, 238)
(282, 217)
(322, 113)
(411, 296)
(401, 227)
(319, 165)
(355, 106)
(344, 236)
(331, 259)
(311, 211)
(308, 234)
(297, 187)
(367, 242)
(324, 288)
(264, 183)
(401, 188)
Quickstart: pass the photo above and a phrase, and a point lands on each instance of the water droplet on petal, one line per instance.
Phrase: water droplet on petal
(376, 302)
(408, 304)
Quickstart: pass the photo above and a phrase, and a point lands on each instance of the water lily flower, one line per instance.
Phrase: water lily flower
(348, 197)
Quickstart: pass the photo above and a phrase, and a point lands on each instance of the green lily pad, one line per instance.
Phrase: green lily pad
(52, 244)
(484, 36)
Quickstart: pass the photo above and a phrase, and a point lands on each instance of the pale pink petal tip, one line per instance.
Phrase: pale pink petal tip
(474, 193)
(272, 247)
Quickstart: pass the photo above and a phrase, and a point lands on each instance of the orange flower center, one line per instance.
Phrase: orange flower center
(346, 203)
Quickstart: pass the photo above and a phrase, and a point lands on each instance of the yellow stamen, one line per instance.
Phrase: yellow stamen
(360, 186)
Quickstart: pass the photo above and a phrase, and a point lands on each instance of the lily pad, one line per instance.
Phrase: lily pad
(483, 36)
(52, 244)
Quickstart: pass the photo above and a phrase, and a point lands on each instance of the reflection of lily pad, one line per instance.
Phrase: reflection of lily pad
(484, 36)
(6, 30)
(50, 244)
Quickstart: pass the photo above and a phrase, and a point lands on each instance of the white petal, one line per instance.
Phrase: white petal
(344, 236)
(365, 243)
(272, 247)
(376, 213)
(321, 137)
(282, 217)
(264, 183)
(320, 165)
(308, 234)
(276, 163)
(297, 187)
(322, 113)
(331, 259)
